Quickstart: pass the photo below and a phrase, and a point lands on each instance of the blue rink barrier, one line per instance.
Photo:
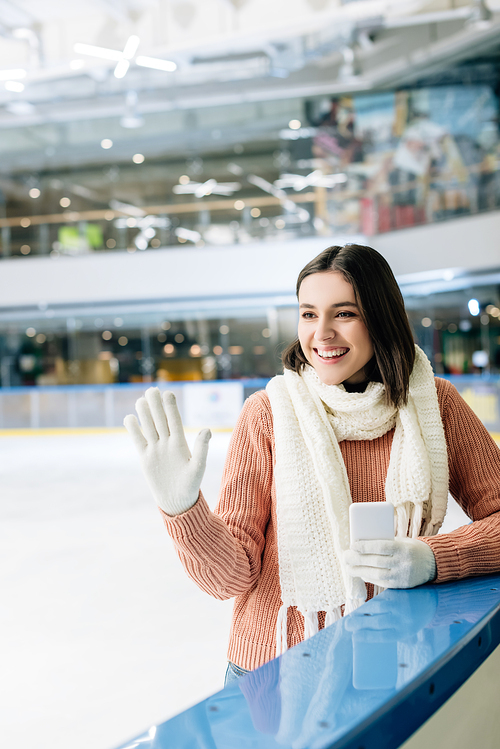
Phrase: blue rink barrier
(368, 681)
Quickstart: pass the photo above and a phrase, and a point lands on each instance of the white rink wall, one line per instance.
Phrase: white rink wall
(263, 270)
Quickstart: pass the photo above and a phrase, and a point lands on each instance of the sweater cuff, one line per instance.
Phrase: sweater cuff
(446, 555)
(187, 523)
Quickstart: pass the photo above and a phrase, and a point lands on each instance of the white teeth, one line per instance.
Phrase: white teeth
(332, 354)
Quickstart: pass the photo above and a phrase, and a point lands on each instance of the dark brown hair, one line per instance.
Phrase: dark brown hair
(382, 309)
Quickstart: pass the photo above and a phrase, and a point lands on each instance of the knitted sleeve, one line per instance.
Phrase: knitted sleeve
(474, 465)
(221, 551)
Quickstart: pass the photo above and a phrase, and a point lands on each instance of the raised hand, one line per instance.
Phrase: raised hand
(173, 475)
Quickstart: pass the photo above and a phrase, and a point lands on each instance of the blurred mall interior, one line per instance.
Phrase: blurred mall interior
(168, 165)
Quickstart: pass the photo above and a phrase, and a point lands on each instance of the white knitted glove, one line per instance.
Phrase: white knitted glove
(173, 475)
(402, 563)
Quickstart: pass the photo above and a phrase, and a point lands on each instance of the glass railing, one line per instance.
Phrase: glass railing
(364, 199)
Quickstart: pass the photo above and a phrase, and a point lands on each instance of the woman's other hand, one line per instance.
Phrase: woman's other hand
(401, 563)
(173, 474)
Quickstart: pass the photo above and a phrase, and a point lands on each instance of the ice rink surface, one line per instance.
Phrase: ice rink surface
(102, 633)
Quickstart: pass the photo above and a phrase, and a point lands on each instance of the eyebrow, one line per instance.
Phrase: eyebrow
(333, 306)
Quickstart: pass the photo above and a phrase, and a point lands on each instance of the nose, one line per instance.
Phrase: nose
(324, 330)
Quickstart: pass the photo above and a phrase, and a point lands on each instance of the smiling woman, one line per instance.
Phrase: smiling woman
(357, 416)
(354, 283)
(332, 334)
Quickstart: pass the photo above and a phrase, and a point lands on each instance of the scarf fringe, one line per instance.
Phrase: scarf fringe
(352, 604)
(281, 630)
(332, 616)
(310, 624)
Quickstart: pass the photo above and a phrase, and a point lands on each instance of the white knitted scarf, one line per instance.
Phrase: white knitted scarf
(312, 487)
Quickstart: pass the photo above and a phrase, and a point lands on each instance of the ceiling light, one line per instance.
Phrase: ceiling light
(20, 108)
(187, 234)
(132, 122)
(22, 33)
(153, 62)
(131, 46)
(201, 189)
(314, 179)
(34, 192)
(138, 158)
(106, 143)
(10, 75)
(474, 307)
(15, 86)
(122, 67)
(65, 202)
(127, 208)
(103, 52)
(295, 124)
(123, 58)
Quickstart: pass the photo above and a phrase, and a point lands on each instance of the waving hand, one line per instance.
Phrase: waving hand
(173, 474)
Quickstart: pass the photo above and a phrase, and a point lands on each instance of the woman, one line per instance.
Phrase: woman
(357, 416)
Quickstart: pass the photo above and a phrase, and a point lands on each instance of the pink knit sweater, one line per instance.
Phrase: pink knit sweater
(233, 552)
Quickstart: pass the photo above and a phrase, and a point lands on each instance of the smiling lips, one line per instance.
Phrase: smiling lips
(331, 353)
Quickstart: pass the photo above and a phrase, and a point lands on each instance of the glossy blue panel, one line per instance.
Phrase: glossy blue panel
(367, 681)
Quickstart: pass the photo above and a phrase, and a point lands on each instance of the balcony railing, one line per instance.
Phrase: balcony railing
(365, 202)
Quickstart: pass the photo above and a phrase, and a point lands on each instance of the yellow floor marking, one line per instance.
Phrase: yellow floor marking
(75, 431)
(89, 431)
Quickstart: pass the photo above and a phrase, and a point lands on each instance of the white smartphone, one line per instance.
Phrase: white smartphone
(371, 520)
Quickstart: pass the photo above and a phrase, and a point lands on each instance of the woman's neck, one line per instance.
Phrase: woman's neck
(355, 387)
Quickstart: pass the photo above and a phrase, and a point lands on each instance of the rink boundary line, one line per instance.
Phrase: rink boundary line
(89, 431)
(77, 431)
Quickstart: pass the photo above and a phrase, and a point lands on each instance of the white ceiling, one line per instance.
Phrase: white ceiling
(231, 55)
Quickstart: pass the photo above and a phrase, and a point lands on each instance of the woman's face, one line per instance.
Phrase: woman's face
(334, 338)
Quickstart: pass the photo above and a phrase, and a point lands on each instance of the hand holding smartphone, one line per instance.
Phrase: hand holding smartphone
(371, 520)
